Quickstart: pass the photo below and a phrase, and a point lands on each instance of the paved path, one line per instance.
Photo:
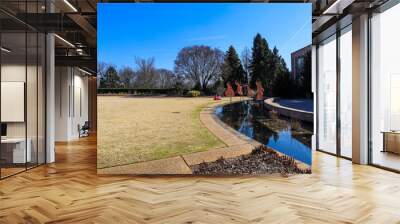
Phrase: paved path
(291, 109)
(299, 104)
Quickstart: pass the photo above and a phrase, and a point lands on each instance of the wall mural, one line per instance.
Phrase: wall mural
(193, 93)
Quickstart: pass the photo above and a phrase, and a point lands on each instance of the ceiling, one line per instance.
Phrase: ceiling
(73, 21)
(328, 13)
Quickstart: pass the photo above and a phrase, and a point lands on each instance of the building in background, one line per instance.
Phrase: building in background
(297, 60)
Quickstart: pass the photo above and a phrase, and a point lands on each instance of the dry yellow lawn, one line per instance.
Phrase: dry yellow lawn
(136, 129)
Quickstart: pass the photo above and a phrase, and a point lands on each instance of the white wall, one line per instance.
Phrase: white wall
(33, 126)
(14, 72)
(71, 87)
(62, 82)
(80, 104)
(13, 101)
(17, 73)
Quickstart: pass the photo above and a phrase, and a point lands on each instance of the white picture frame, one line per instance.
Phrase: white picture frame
(12, 101)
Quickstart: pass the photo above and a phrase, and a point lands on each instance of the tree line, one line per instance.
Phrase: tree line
(208, 69)
(145, 76)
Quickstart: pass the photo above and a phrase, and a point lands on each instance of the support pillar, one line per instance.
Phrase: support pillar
(360, 90)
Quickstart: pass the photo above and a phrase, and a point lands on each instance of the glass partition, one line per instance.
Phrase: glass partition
(327, 95)
(41, 97)
(385, 89)
(23, 90)
(14, 153)
(345, 58)
(32, 97)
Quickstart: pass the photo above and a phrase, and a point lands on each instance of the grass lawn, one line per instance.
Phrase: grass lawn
(136, 129)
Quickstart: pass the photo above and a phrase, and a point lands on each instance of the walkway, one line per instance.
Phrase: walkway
(299, 104)
(296, 109)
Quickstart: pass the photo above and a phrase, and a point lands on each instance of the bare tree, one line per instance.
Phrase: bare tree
(146, 73)
(101, 73)
(166, 78)
(199, 64)
(246, 62)
(127, 76)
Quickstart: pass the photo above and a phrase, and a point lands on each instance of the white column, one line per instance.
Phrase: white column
(63, 100)
(360, 90)
(314, 91)
(50, 100)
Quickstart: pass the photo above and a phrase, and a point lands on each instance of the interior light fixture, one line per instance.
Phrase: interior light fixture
(79, 51)
(334, 5)
(70, 5)
(64, 40)
(86, 72)
(5, 50)
(337, 7)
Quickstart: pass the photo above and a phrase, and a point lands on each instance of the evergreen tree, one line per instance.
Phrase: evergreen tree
(111, 78)
(276, 67)
(275, 61)
(232, 68)
(258, 58)
(305, 77)
(284, 85)
(261, 64)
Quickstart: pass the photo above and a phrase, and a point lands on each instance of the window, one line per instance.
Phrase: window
(22, 88)
(345, 43)
(385, 89)
(326, 104)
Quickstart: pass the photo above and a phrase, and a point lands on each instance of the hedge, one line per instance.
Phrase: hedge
(170, 91)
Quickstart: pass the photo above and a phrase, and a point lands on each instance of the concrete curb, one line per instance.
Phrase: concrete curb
(289, 112)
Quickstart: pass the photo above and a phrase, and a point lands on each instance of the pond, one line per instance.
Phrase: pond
(288, 136)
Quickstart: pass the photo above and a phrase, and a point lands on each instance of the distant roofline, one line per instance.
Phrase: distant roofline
(308, 47)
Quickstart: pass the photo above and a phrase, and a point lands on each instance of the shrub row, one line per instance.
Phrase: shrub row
(193, 93)
(134, 91)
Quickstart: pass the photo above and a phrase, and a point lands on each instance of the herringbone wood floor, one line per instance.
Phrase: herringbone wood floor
(69, 191)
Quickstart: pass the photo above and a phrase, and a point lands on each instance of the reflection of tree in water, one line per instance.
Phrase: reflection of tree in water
(238, 116)
(245, 117)
(255, 121)
(263, 133)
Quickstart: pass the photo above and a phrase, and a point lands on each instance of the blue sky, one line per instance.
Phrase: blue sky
(160, 30)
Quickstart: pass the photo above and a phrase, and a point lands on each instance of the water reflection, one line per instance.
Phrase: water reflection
(291, 137)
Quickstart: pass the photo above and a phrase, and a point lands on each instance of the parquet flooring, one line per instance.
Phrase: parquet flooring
(69, 191)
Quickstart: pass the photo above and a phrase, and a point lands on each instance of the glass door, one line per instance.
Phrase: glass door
(22, 78)
(14, 153)
(385, 89)
(345, 60)
(326, 105)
